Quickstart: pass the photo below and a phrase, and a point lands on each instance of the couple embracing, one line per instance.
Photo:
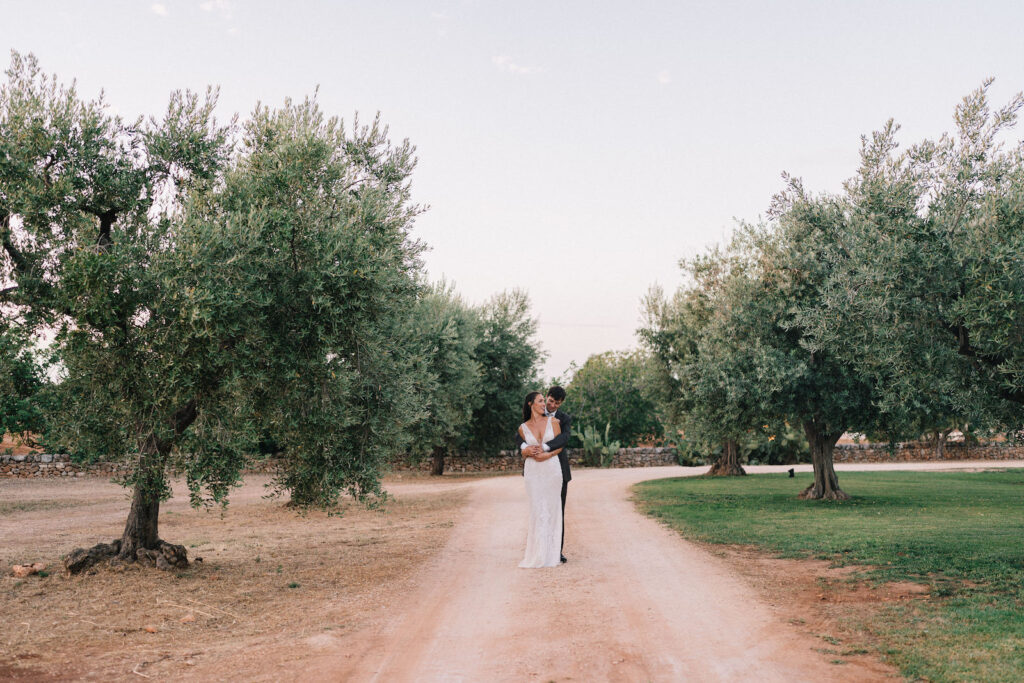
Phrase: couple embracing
(542, 438)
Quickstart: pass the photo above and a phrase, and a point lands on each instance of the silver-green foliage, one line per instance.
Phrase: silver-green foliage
(206, 293)
(896, 306)
(314, 220)
(449, 331)
(929, 296)
(509, 359)
(25, 391)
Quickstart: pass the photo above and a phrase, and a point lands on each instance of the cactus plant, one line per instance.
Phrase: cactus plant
(597, 450)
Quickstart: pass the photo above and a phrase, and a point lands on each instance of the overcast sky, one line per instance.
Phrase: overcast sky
(576, 150)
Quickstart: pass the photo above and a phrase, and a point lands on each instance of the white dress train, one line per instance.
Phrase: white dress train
(544, 486)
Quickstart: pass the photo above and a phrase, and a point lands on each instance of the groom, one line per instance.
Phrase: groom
(556, 395)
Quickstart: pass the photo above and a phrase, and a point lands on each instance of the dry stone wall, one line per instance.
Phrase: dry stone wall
(47, 465)
(50, 465)
(512, 461)
(916, 451)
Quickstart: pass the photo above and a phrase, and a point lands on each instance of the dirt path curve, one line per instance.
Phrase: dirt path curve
(634, 603)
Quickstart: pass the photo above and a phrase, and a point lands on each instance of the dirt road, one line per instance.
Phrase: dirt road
(634, 603)
(425, 589)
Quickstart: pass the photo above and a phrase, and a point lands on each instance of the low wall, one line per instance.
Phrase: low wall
(47, 465)
(510, 461)
(916, 451)
(506, 461)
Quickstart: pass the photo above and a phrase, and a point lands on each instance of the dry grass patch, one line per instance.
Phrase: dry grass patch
(272, 587)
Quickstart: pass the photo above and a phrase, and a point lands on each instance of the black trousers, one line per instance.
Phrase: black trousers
(565, 487)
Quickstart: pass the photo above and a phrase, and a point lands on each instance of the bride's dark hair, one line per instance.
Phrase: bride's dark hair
(527, 412)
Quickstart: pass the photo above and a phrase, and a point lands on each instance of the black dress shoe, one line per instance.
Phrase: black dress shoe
(564, 560)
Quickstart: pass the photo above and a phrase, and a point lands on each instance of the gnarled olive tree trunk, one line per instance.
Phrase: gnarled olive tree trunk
(826, 483)
(728, 464)
(437, 466)
(141, 530)
(140, 541)
(939, 439)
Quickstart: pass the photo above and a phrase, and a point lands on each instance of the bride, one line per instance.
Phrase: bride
(543, 477)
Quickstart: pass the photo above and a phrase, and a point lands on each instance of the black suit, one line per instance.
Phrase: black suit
(560, 441)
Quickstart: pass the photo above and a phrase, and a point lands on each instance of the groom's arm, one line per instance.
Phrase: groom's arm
(562, 440)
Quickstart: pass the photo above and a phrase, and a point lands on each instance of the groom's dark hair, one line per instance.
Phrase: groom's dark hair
(556, 392)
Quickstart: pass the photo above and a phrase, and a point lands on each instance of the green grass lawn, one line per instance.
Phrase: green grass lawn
(961, 533)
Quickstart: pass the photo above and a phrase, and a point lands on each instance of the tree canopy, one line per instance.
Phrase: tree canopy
(929, 296)
(208, 284)
(893, 307)
(450, 331)
(614, 389)
(510, 359)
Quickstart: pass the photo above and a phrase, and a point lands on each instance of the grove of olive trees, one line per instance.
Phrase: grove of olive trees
(203, 286)
(895, 306)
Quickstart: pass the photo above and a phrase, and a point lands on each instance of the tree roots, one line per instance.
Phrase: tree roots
(164, 556)
(720, 469)
(810, 493)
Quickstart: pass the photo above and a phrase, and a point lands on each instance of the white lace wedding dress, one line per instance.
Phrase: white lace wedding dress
(544, 486)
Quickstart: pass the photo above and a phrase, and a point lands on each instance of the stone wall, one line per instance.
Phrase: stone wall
(644, 457)
(46, 465)
(917, 451)
(506, 461)
(509, 461)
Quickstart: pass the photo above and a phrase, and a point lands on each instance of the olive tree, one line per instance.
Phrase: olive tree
(25, 390)
(735, 349)
(701, 383)
(449, 330)
(509, 358)
(930, 298)
(820, 390)
(203, 295)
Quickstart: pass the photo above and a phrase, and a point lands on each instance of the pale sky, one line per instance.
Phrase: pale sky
(577, 150)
